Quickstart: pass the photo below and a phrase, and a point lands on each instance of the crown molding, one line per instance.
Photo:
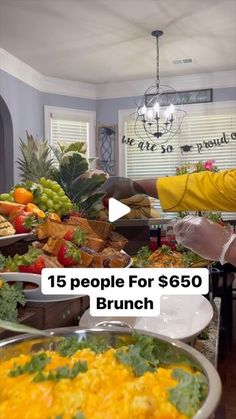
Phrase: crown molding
(22, 71)
(216, 80)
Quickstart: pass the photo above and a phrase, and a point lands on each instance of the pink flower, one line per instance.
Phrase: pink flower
(209, 164)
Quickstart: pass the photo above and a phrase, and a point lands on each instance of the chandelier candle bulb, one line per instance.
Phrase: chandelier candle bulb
(172, 110)
(149, 115)
(157, 109)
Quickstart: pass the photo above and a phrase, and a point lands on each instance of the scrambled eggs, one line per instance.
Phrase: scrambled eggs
(107, 390)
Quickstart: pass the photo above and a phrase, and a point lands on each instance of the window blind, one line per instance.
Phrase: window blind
(68, 131)
(196, 128)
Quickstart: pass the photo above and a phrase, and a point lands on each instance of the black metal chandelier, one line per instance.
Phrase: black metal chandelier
(160, 110)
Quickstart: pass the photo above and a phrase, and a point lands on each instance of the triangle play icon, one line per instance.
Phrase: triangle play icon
(116, 209)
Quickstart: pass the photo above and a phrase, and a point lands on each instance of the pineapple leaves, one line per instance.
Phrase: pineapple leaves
(36, 160)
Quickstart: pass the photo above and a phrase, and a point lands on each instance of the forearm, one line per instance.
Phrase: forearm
(146, 186)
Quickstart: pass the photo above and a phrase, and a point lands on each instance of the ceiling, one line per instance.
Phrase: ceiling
(100, 41)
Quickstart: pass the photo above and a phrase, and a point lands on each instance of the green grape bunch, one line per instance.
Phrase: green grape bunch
(52, 197)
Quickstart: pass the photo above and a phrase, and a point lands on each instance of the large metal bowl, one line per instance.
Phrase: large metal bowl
(116, 337)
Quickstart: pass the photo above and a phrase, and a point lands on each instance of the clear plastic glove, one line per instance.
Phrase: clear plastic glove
(118, 187)
(202, 236)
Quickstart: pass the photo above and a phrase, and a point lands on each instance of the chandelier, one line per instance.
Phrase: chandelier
(160, 113)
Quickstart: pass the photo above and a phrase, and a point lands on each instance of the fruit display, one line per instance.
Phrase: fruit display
(64, 244)
(71, 174)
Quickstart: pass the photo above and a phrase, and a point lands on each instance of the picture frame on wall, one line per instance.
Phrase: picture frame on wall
(106, 146)
(179, 98)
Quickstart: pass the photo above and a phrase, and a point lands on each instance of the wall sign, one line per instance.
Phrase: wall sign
(179, 98)
(200, 146)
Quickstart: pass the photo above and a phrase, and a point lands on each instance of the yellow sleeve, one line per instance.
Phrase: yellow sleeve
(204, 191)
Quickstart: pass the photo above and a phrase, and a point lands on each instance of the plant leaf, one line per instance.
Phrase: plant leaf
(90, 201)
(72, 166)
(84, 187)
(21, 328)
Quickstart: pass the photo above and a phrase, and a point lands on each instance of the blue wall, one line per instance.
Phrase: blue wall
(26, 106)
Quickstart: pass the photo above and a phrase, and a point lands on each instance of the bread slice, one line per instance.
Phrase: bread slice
(53, 245)
(116, 241)
(6, 228)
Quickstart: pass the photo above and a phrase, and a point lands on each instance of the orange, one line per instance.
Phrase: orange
(35, 210)
(22, 196)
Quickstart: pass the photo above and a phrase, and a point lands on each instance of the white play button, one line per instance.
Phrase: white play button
(116, 209)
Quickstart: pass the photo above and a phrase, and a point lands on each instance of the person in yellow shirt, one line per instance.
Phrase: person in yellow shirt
(203, 191)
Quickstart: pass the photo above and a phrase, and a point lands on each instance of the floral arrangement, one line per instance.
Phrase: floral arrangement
(200, 166)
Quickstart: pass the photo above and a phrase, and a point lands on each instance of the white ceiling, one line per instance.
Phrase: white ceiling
(100, 41)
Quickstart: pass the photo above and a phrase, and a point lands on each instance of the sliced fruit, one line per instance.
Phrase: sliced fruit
(35, 210)
(23, 196)
(54, 216)
(14, 214)
(7, 208)
(6, 228)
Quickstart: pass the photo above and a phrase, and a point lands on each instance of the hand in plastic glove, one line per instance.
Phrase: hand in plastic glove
(119, 187)
(202, 236)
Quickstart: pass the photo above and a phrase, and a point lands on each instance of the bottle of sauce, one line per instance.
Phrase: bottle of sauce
(155, 238)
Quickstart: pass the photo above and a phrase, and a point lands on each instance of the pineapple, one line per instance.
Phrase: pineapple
(36, 161)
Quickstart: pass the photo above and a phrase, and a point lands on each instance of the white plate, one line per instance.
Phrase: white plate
(7, 240)
(35, 295)
(130, 259)
(182, 317)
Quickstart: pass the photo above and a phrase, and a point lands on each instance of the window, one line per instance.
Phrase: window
(70, 125)
(203, 123)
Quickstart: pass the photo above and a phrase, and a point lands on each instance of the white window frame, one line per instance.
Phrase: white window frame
(82, 115)
(194, 109)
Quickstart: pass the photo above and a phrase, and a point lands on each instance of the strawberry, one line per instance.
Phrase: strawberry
(69, 235)
(31, 262)
(23, 223)
(77, 236)
(68, 254)
(35, 268)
